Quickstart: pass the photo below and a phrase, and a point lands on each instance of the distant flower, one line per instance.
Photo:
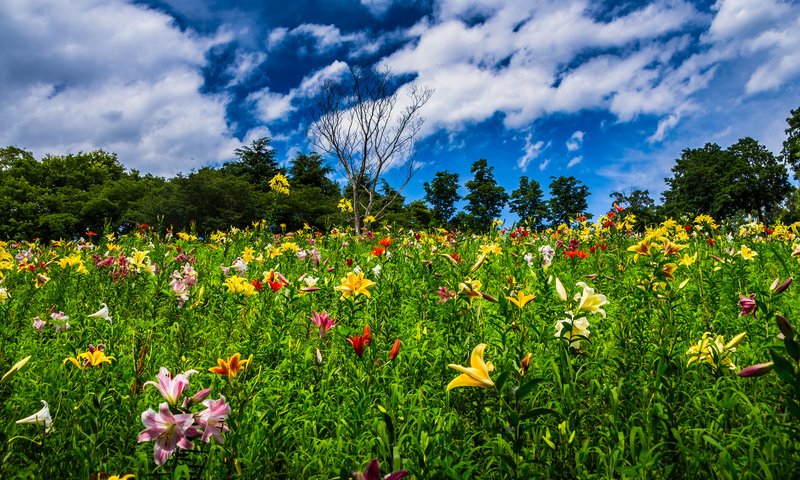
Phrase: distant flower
(169, 431)
(230, 367)
(240, 285)
(38, 324)
(476, 375)
(171, 388)
(102, 313)
(279, 184)
(95, 357)
(59, 321)
(373, 473)
(525, 364)
(386, 241)
(713, 351)
(42, 417)
(323, 321)
(444, 294)
(470, 288)
(358, 342)
(746, 252)
(491, 248)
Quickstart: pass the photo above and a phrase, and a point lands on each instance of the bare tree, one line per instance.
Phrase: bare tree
(358, 120)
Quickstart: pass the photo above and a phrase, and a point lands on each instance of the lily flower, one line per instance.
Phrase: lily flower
(168, 431)
(171, 387)
(92, 358)
(102, 313)
(42, 417)
(212, 419)
(521, 300)
(230, 367)
(470, 288)
(373, 472)
(640, 249)
(476, 375)
(571, 327)
(714, 351)
(590, 301)
(323, 321)
(353, 285)
(748, 305)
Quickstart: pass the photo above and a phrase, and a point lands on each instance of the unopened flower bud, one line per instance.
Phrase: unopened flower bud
(783, 286)
(784, 326)
(395, 350)
(756, 370)
(525, 364)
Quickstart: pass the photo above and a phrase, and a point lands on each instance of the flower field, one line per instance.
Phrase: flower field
(587, 351)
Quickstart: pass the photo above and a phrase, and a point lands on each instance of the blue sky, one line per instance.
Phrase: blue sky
(608, 91)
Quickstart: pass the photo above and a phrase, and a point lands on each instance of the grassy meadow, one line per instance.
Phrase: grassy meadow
(587, 351)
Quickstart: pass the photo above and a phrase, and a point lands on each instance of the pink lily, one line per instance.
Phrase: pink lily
(171, 388)
(323, 321)
(169, 431)
(212, 419)
(748, 304)
(373, 472)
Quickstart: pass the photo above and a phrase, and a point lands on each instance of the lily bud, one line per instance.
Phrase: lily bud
(562, 292)
(395, 350)
(756, 370)
(478, 263)
(525, 364)
(784, 326)
(488, 297)
(14, 369)
(783, 286)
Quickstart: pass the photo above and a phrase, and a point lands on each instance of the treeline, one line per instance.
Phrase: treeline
(69, 196)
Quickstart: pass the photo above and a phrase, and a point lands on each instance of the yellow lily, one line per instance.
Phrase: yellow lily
(521, 300)
(641, 249)
(354, 285)
(476, 375)
(590, 301)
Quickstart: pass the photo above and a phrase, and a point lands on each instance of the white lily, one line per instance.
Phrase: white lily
(102, 313)
(42, 417)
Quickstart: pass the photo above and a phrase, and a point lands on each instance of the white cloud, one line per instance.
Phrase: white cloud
(521, 61)
(377, 7)
(544, 164)
(575, 141)
(82, 75)
(243, 65)
(272, 106)
(532, 151)
(664, 125)
(574, 161)
(325, 38)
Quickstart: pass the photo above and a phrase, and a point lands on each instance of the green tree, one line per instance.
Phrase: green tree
(442, 194)
(743, 179)
(256, 163)
(567, 199)
(528, 203)
(313, 197)
(485, 198)
(764, 183)
(791, 146)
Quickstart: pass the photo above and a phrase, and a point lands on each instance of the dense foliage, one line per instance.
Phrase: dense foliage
(576, 352)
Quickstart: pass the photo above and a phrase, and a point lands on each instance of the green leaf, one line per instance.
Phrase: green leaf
(538, 412)
(527, 387)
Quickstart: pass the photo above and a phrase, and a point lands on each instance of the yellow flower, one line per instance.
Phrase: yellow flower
(470, 288)
(688, 260)
(240, 285)
(369, 219)
(230, 367)
(186, 237)
(279, 184)
(714, 352)
(670, 248)
(92, 358)
(117, 477)
(590, 301)
(41, 279)
(290, 247)
(247, 255)
(476, 375)
(345, 205)
(641, 248)
(353, 285)
(492, 248)
(747, 253)
(668, 271)
(521, 299)
(274, 252)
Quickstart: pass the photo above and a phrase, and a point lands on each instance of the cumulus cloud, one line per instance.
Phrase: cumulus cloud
(521, 60)
(272, 106)
(83, 75)
(575, 141)
(325, 38)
